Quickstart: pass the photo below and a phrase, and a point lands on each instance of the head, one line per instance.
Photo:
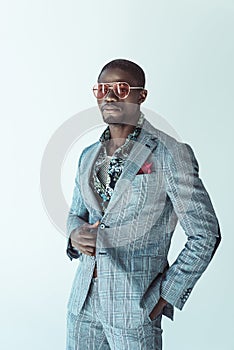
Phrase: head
(114, 109)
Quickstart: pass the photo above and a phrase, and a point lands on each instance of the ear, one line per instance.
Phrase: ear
(142, 96)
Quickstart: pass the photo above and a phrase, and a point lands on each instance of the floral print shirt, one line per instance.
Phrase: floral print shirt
(108, 169)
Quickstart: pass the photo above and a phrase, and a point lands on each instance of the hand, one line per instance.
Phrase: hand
(84, 238)
(157, 310)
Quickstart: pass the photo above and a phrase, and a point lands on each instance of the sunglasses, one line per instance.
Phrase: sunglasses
(120, 89)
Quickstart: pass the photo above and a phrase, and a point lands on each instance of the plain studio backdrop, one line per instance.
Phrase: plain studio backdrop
(51, 54)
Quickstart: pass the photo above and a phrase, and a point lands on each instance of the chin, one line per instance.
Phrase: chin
(111, 119)
(117, 119)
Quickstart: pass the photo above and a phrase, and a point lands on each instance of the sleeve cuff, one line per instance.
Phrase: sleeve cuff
(71, 251)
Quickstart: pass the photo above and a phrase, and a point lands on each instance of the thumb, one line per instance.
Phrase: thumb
(96, 224)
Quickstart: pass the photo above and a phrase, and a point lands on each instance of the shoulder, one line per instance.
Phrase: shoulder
(90, 148)
(87, 151)
(169, 149)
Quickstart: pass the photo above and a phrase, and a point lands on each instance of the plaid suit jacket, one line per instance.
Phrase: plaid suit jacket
(135, 232)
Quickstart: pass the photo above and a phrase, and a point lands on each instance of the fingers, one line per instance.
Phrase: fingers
(87, 250)
(96, 224)
(84, 248)
(84, 238)
(92, 225)
(89, 231)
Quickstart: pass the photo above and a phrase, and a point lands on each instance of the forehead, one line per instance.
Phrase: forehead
(111, 75)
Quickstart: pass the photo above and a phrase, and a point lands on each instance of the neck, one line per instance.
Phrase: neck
(119, 132)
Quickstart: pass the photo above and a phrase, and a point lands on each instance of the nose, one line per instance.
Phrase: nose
(111, 96)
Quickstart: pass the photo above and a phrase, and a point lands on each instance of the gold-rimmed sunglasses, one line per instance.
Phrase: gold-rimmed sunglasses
(120, 89)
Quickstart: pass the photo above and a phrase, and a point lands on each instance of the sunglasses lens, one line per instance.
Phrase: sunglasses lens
(121, 90)
(100, 90)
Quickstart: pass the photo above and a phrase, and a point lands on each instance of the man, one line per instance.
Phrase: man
(132, 186)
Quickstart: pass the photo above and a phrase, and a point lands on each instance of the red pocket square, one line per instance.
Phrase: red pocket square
(145, 169)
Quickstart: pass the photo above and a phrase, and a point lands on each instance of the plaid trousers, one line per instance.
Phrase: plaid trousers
(88, 331)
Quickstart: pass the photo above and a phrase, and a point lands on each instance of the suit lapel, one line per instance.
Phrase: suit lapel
(86, 177)
(141, 150)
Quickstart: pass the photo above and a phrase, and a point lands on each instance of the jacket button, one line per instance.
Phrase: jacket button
(102, 226)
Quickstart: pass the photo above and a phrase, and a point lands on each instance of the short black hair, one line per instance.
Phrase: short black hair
(129, 66)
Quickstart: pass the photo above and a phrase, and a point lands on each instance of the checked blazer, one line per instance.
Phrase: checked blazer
(135, 232)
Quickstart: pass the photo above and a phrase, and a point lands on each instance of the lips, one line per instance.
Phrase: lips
(110, 107)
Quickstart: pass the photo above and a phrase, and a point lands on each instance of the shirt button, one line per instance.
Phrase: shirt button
(102, 226)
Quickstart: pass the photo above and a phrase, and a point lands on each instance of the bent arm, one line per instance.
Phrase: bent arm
(77, 216)
(197, 217)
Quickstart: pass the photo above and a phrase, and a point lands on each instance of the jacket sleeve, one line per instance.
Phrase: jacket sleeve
(196, 215)
(77, 216)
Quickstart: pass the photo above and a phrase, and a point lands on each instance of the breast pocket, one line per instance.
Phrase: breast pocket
(135, 196)
(146, 191)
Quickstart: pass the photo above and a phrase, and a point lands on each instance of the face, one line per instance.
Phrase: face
(120, 111)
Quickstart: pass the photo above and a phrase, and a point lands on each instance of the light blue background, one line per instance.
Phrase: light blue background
(51, 54)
